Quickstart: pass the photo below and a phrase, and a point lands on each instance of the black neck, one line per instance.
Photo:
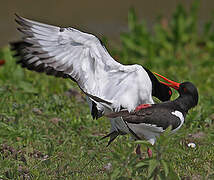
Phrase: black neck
(155, 82)
(159, 90)
(184, 102)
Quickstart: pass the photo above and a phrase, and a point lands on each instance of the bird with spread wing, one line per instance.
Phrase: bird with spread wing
(70, 53)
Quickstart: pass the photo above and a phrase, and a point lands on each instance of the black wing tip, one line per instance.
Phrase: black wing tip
(18, 45)
(14, 46)
(17, 17)
(21, 21)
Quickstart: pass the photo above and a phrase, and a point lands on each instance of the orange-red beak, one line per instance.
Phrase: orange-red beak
(172, 84)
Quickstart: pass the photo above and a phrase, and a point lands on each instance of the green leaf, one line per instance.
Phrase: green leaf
(153, 163)
(115, 173)
(160, 178)
(164, 138)
(167, 131)
(141, 164)
(165, 167)
(172, 174)
(132, 19)
(146, 143)
(27, 87)
(123, 178)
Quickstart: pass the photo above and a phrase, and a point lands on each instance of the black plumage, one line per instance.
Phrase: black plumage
(159, 90)
(152, 120)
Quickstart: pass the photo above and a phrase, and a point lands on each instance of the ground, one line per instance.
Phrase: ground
(47, 131)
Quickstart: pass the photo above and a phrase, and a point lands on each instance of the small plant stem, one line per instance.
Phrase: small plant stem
(157, 169)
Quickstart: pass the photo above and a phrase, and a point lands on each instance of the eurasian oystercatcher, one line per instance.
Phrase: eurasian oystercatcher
(150, 120)
(70, 53)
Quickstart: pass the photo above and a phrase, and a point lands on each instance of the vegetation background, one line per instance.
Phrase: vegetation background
(46, 131)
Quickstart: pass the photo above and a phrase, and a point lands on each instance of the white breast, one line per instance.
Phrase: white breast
(181, 117)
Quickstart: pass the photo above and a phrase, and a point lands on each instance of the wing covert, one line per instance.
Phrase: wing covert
(70, 53)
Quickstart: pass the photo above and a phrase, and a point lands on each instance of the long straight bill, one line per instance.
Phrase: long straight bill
(172, 84)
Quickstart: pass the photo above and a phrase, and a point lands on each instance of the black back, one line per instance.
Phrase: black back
(159, 115)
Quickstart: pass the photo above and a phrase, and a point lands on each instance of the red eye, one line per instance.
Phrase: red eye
(170, 93)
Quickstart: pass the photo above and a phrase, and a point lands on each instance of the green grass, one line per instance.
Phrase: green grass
(46, 134)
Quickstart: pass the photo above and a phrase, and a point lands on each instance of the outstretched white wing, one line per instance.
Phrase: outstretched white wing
(80, 56)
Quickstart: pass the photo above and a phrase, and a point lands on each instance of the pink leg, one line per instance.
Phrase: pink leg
(149, 152)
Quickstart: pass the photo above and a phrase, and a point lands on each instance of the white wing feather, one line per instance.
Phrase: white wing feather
(82, 57)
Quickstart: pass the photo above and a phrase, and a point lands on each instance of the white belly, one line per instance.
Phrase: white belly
(146, 131)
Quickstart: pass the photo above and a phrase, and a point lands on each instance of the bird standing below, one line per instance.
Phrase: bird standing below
(149, 121)
(70, 53)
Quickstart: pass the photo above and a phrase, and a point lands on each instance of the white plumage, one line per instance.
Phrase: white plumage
(82, 57)
(181, 117)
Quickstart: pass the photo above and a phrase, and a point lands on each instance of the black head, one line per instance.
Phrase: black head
(189, 90)
(159, 90)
